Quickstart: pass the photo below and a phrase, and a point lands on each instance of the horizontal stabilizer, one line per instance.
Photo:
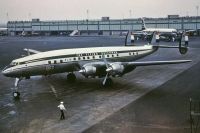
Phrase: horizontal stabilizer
(31, 51)
(149, 63)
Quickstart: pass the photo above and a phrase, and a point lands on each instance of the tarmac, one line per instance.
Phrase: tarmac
(149, 99)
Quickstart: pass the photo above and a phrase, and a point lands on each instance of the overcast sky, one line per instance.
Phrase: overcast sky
(77, 9)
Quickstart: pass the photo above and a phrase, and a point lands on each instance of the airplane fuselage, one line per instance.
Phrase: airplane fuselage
(160, 30)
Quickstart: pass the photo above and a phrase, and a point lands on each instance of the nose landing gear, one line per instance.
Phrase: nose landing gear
(16, 94)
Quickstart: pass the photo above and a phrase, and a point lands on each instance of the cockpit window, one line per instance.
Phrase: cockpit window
(14, 63)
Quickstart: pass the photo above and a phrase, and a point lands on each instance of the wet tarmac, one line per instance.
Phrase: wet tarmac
(149, 99)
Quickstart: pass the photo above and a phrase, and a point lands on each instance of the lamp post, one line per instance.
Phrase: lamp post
(87, 14)
(197, 7)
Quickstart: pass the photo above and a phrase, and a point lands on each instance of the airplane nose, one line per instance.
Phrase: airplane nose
(4, 71)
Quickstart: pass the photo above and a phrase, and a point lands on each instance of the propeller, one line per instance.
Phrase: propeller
(108, 70)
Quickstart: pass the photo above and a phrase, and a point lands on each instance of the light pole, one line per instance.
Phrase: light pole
(197, 7)
(7, 17)
(87, 14)
(130, 13)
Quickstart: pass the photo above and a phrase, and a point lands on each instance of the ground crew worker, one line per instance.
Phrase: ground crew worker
(132, 38)
(173, 39)
(186, 40)
(62, 109)
(157, 37)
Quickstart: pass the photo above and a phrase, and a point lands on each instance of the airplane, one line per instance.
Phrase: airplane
(159, 30)
(166, 33)
(91, 62)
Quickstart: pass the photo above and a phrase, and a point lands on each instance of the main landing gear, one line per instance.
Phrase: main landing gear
(71, 77)
(108, 82)
(16, 93)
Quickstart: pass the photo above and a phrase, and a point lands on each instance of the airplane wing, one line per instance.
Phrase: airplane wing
(119, 68)
(148, 63)
(31, 51)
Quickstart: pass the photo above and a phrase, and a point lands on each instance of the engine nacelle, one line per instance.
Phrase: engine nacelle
(116, 69)
(88, 70)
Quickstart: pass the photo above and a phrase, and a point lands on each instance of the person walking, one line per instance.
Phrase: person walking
(186, 39)
(132, 38)
(157, 37)
(62, 109)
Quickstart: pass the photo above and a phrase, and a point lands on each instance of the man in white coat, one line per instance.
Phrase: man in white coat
(132, 38)
(186, 39)
(62, 109)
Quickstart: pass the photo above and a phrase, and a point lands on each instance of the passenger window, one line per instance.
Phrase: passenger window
(74, 58)
(79, 58)
(93, 57)
(99, 56)
(55, 62)
(107, 55)
(49, 62)
(84, 58)
(61, 61)
(88, 57)
(112, 55)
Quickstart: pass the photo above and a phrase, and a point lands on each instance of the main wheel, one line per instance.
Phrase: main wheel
(16, 95)
(71, 77)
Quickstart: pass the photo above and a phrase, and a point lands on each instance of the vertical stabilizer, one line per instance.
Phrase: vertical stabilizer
(143, 24)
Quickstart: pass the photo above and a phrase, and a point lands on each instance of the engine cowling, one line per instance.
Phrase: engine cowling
(88, 70)
(115, 69)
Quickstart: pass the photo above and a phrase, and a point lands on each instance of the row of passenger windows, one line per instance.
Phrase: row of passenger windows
(79, 58)
(134, 53)
(93, 57)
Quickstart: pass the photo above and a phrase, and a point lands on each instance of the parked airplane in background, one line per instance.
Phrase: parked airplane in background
(164, 33)
(160, 30)
(102, 62)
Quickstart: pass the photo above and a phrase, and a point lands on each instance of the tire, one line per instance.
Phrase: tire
(71, 77)
(16, 95)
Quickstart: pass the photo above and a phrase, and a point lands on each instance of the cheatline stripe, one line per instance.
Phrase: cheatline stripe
(75, 55)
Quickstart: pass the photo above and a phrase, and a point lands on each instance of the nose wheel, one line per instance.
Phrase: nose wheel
(16, 95)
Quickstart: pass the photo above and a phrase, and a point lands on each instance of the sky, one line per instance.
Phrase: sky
(18, 10)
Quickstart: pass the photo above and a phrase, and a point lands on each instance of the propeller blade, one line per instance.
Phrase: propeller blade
(104, 81)
(105, 61)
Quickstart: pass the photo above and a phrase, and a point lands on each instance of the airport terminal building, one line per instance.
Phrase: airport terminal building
(104, 26)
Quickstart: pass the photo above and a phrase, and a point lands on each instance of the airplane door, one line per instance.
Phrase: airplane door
(49, 68)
